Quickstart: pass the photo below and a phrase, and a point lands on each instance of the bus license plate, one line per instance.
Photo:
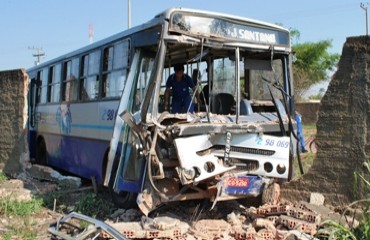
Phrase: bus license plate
(246, 185)
(236, 182)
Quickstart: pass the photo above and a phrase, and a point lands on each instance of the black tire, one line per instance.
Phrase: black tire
(41, 152)
(125, 200)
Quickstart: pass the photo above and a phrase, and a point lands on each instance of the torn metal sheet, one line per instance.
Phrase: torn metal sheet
(94, 229)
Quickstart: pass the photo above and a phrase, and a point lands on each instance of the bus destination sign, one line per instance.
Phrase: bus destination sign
(220, 27)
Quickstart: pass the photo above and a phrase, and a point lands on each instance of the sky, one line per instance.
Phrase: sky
(56, 27)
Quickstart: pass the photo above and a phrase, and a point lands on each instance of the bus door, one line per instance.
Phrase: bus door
(132, 165)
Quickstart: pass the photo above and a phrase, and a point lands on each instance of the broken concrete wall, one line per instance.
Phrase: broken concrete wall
(343, 131)
(13, 120)
(309, 111)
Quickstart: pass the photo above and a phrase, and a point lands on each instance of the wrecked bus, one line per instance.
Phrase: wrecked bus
(99, 112)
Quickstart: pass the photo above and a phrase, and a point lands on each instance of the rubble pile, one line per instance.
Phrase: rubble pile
(286, 220)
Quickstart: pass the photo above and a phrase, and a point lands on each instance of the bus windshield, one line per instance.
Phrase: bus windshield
(255, 77)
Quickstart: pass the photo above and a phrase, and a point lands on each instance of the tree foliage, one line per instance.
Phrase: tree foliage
(312, 64)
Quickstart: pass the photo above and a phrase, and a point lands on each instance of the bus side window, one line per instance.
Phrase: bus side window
(43, 77)
(38, 86)
(89, 82)
(115, 64)
(50, 80)
(83, 71)
(107, 68)
(54, 83)
(70, 81)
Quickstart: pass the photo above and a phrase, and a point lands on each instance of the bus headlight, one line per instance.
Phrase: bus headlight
(281, 168)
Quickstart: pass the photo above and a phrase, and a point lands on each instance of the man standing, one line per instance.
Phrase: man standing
(298, 119)
(180, 84)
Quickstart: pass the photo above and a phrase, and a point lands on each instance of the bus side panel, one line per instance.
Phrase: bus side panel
(76, 155)
(77, 135)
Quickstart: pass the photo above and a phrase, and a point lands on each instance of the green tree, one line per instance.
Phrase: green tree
(312, 62)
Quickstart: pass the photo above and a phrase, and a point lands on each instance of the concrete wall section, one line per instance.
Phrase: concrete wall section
(343, 130)
(309, 111)
(13, 120)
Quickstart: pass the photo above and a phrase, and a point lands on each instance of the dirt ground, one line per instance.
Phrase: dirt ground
(189, 212)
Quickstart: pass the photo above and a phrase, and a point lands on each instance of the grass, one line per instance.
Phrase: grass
(3, 177)
(20, 215)
(309, 132)
(11, 207)
(93, 205)
(87, 203)
(24, 232)
(333, 230)
(20, 212)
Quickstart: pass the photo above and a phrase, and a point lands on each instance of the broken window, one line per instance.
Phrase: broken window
(54, 83)
(90, 76)
(115, 65)
(70, 80)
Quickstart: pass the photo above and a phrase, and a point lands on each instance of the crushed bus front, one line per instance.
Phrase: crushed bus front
(195, 158)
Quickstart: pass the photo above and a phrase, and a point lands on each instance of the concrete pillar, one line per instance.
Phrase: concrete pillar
(343, 131)
(13, 121)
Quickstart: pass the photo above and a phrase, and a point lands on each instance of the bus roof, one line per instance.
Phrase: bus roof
(167, 13)
(157, 20)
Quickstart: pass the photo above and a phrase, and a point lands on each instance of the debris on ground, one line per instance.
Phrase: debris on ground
(268, 222)
(283, 220)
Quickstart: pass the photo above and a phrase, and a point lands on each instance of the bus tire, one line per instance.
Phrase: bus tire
(41, 152)
(123, 199)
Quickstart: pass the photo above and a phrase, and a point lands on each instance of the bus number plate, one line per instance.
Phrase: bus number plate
(237, 182)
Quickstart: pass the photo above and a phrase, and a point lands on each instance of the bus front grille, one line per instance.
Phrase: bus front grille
(244, 164)
(246, 150)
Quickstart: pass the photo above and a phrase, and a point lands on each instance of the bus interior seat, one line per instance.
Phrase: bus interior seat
(245, 107)
(223, 103)
(196, 76)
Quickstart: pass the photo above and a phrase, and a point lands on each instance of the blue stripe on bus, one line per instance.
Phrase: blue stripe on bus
(92, 126)
(84, 126)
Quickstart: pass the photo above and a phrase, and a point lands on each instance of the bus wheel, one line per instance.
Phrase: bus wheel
(41, 152)
(124, 199)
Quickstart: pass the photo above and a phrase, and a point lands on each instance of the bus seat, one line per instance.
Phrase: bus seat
(223, 103)
(245, 107)
(196, 76)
